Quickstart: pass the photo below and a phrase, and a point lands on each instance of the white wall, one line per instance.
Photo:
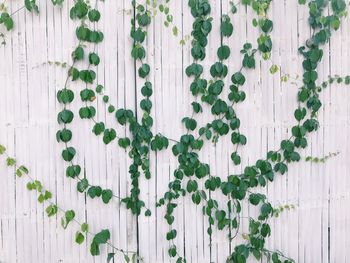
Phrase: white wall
(317, 230)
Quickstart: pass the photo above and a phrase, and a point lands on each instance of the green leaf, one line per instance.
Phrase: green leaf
(88, 76)
(295, 157)
(18, 172)
(281, 168)
(47, 195)
(144, 70)
(220, 215)
(87, 112)
(238, 78)
(110, 257)
(235, 158)
(7, 20)
(266, 209)
(196, 198)
(138, 52)
(99, 89)
(138, 35)
(126, 258)
(57, 2)
(300, 114)
(94, 191)
(226, 28)
(264, 43)
(10, 161)
(79, 237)
(22, 169)
(65, 96)
(175, 31)
(242, 140)
(105, 99)
(94, 15)
(51, 210)
(273, 69)
(233, 8)
(248, 61)
(98, 128)
(74, 73)
(73, 171)
(78, 53)
(202, 171)
(266, 25)
(2, 149)
(94, 249)
(143, 19)
(192, 186)
(109, 135)
(68, 154)
(171, 234)
(65, 116)
(111, 108)
(124, 142)
(146, 90)
(148, 212)
(287, 145)
(107, 195)
(31, 6)
(275, 258)
(223, 52)
(94, 59)
(82, 185)
(335, 23)
(194, 70)
(64, 135)
(338, 5)
(172, 251)
(247, 46)
(255, 199)
(265, 230)
(30, 186)
(79, 10)
(196, 107)
(68, 217)
(87, 95)
(99, 239)
(298, 131)
(310, 76)
(190, 123)
(41, 198)
(84, 227)
(38, 186)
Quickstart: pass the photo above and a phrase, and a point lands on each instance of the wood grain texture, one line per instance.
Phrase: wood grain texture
(317, 230)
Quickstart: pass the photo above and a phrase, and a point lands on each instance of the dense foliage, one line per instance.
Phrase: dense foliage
(190, 170)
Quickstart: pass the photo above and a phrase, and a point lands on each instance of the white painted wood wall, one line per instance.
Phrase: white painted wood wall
(317, 230)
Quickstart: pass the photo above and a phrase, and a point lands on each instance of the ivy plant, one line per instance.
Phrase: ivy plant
(192, 177)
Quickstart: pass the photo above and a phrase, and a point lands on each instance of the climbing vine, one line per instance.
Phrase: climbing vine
(67, 216)
(192, 176)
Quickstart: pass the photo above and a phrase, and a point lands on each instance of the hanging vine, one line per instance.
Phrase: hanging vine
(68, 216)
(190, 171)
